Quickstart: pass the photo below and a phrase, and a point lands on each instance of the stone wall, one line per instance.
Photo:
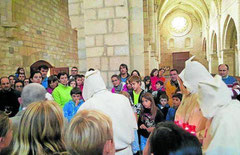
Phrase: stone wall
(38, 30)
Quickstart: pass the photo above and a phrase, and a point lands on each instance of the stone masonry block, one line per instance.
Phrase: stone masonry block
(95, 51)
(121, 50)
(120, 25)
(96, 27)
(74, 9)
(99, 40)
(104, 63)
(110, 51)
(90, 14)
(114, 2)
(89, 4)
(93, 63)
(115, 62)
(116, 39)
(122, 11)
(90, 41)
(106, 13)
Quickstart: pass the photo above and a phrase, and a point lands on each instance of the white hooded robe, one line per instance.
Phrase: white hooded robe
(116, 106)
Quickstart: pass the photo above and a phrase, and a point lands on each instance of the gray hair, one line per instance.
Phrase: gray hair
(32, 93)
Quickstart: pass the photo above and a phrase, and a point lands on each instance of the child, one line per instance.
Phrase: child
(160, 91)
(154, 78)
(129, 86)
(164, 106)
(52, 83)
(80, 81)
(72, 83)
(135, 144)
(148, 86)
(177, 98)
(137, 92)
(71, 107)
(117, 85)
(149, 116)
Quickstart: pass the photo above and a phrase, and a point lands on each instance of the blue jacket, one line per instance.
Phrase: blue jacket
(45, 82)
(70, 109)
(171, 114)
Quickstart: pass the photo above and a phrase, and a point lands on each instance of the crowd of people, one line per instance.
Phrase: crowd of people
(76, 114)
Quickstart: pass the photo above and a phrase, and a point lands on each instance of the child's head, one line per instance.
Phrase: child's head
(76, 94)
(154, 72)
(129, 86)
(72, 83)
(79, 79)
(147, 80)
(116, 80)
(159, 84)
(148, 103)
(177, 98)
(135, 82)
(163, 100)
(52, 81)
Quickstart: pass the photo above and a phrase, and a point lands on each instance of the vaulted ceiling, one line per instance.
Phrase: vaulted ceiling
(199, 8)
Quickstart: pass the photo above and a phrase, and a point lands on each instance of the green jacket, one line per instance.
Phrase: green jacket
(61, 94)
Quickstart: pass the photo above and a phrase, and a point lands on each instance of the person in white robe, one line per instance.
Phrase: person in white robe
(116, 106)
(217, 105)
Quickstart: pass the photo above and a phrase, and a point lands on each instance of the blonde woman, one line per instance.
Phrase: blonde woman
(90, 132)
(40, 130)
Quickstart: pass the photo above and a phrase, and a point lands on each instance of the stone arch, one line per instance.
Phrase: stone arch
(36, 64)
(214, 42)
(204, 47)
(230, 40)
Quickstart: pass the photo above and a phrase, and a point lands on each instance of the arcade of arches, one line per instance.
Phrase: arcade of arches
(102, 34)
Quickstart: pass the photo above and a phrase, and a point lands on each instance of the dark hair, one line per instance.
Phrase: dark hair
(177, 95)
(61, 74)
(76, 90)
(159, 82)
(116, 76)
(152, 72)
(225, 65)
(163, 96)
(173, 70)
(162, 69)
(136, 72)
(167, 138)
(43, 67)
(18, 81)
(71, 80)
(153, 110)
(12, 76)
(5, 124)
(91, 69)
(74, 67)
(18, 70)
(33, 73)
(51, 79)
(78, 76)
(123, 65)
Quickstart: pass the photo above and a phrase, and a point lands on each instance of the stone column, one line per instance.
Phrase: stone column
(106, 36)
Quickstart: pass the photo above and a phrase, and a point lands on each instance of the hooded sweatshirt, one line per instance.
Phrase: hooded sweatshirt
(116, 106)
(216, 104)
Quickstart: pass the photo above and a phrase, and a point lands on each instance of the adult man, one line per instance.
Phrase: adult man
(123, 68)
(12, 80)
(8, 98)
(230, 81)
(18, 85)
(172, 85)
(44, 70)
(74, 72)
(116, 106)
(31, 93)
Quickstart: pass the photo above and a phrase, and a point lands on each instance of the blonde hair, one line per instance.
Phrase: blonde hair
(88, 132)
(40, 130)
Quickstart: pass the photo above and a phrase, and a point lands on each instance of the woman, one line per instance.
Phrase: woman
(5, 132)
(40, 130)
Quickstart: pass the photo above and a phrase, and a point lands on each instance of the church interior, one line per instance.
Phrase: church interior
(144, 34)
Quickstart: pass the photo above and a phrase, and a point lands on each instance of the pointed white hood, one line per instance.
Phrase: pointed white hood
(193, 73)
(93, 84)
(213, 94)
